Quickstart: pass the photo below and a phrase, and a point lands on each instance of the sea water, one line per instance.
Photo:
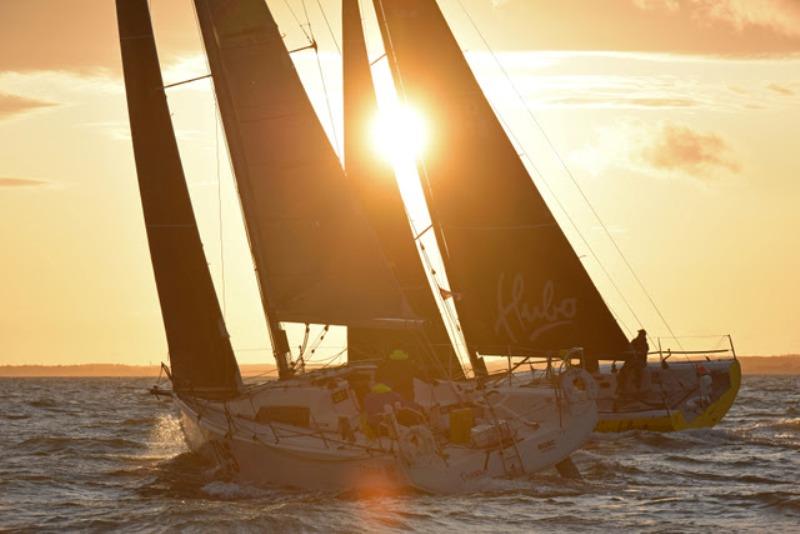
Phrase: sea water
(102, 454)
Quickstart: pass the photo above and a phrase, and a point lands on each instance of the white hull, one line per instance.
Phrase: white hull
(295, 464)
(546, 429)
(558, 435)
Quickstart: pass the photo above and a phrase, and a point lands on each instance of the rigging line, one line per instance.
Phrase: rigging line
(362, 10)
(450, 318)
(297, 20)
(458, 340)
(422, 172)
(219, 212)
(304, 345)
(318, 341)
(330, 29)
(328, 104)
(450, 322)
(332, 359)
(569, 173)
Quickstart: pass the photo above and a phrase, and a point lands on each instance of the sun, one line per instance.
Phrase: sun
(399, 133)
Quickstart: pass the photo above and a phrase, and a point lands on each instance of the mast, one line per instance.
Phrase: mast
(314, 253)
(523, 289)
(202, 360)
(375, 182)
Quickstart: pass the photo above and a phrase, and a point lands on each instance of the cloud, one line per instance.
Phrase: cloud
(669, 5)
(13, 105)
(780, 89)
(742, 28)
(779, 16)
(628, 103)
(21, 182)
(679, 148)
(661, 150)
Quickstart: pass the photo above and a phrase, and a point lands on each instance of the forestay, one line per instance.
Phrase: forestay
(375, 182)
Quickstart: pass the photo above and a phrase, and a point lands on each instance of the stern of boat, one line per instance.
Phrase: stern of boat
(688, 412)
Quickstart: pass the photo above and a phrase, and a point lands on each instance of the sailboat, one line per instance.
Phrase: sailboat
(523, 291)
(319, 259)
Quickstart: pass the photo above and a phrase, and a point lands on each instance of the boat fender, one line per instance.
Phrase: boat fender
(415, 443)
(577, 382)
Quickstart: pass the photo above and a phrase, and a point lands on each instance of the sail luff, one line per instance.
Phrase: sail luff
(374, 180)
(522, 288)
(247, 201)
(201, 357)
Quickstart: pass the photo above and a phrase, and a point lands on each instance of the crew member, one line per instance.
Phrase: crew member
(634, 368)
(398, 372)
(375, 403)
(640, 348)
(376, 400)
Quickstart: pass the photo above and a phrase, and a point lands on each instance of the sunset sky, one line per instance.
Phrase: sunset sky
(680, 119)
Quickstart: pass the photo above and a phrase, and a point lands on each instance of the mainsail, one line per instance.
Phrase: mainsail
(522, 289)
(316, 257)
(200, 352)
(375, 182)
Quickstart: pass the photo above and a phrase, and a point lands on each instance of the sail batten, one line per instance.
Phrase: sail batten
(375, 181)
(201, 357)
(522, 288)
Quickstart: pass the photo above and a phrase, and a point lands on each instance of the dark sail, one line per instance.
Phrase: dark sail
(200, 353)
(521, 289)
(316, 257)
(375, 182)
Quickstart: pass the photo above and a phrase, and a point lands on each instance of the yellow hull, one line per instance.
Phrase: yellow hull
(675, 421)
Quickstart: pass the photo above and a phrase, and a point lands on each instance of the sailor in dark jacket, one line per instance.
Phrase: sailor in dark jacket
(398, 372)
(640, 349)
(632, 371)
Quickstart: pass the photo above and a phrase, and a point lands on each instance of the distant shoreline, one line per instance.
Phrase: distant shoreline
(107, 370)
(751, 365)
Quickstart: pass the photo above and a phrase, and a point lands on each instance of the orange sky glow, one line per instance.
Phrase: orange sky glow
(680, 120)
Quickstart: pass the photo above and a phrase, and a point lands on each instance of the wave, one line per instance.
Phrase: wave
(233, 491)
(15, 416)
(82, 445)
(787, 424)
(119, 461)
(782, 500)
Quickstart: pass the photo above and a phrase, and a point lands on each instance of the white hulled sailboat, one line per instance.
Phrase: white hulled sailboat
(319, 258)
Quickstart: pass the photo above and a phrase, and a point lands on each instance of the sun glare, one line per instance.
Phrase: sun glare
(399, 133)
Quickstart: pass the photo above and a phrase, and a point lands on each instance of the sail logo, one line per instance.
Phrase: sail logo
(517, 313)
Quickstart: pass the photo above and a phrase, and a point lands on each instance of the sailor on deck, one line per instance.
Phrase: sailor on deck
(398, 372)
(382, 400)
(634, 368)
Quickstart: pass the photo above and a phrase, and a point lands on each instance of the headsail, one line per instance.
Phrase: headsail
(522, 288)
(314, 252)
(375, 182)
(200, 352)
